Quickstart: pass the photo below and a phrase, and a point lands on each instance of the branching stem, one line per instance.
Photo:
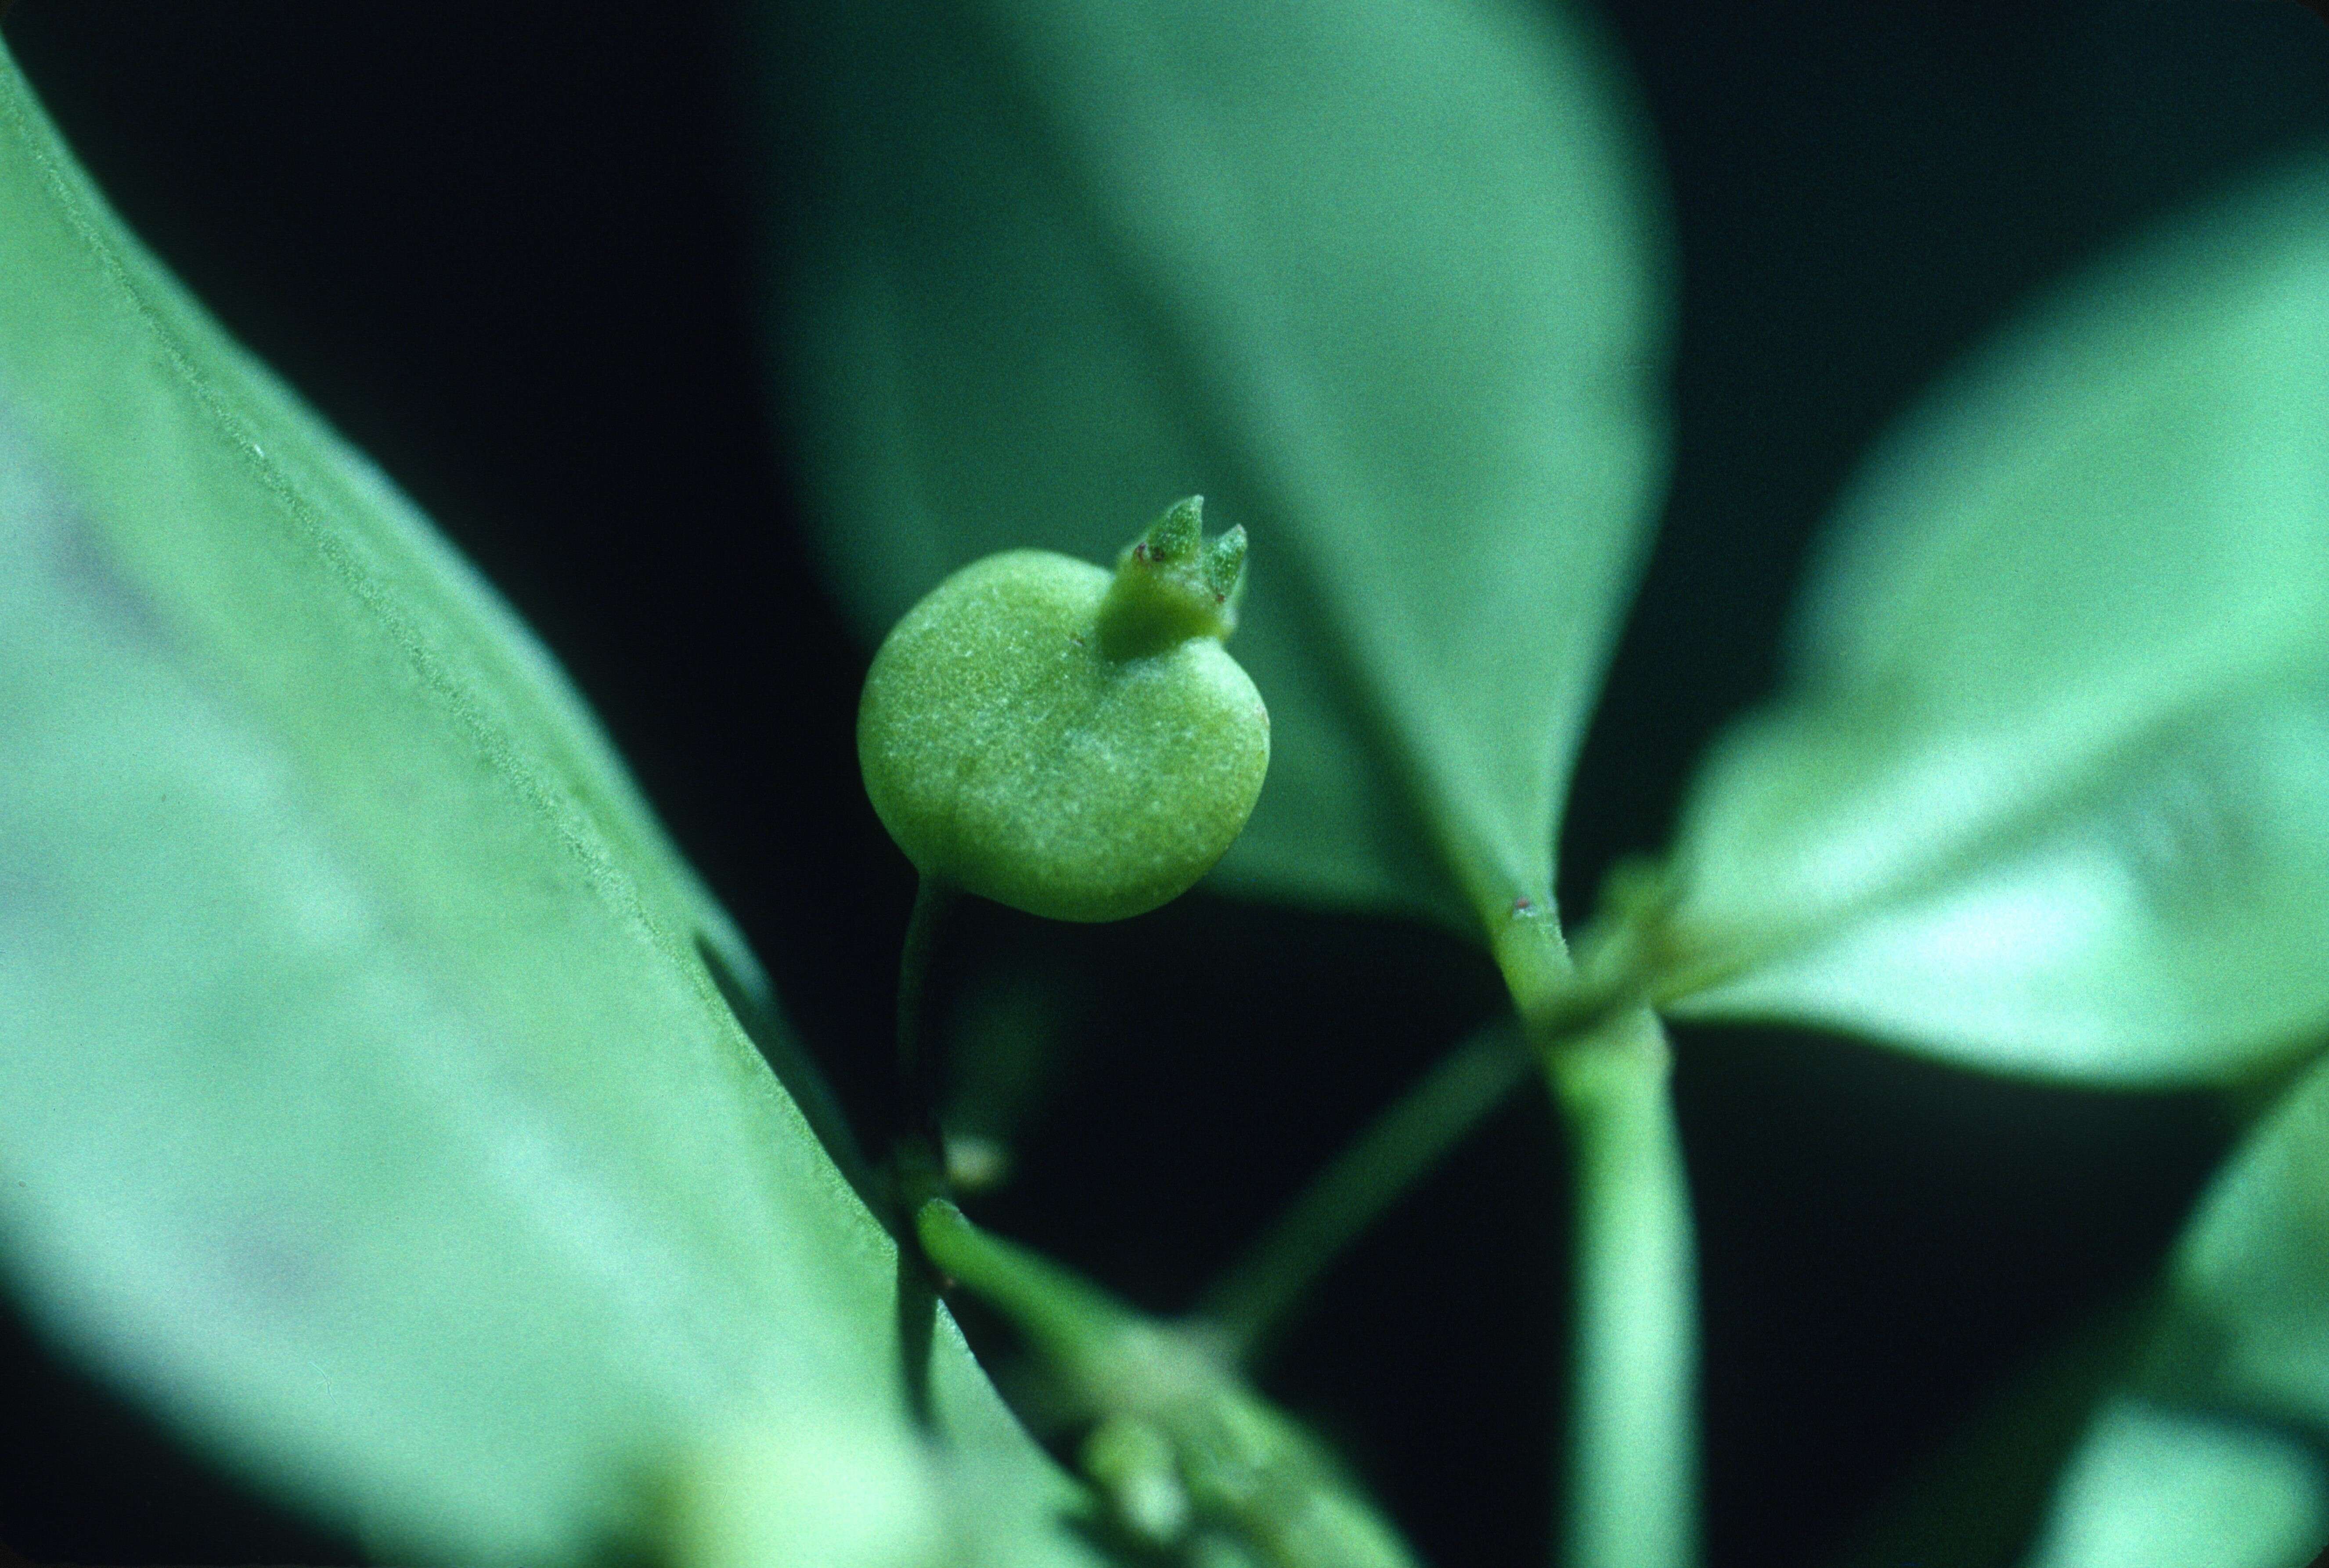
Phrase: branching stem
(1258, 1296)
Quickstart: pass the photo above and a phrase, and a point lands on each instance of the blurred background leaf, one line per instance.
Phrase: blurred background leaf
(1977, 1500)
(2048, 794)
(1385, 282)
(2216, 1454)
(2155, 1487)
(2247, 1322)
(369, 1106)
(2197, 1429)
(2190, 1431)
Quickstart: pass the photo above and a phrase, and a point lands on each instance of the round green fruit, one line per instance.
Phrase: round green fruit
(1070, 741)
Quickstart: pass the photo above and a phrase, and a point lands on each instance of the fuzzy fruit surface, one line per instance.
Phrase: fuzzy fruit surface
(1009, 754)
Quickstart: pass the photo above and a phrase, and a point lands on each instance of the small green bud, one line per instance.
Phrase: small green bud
(1071, 742)
(1171, 587)
(1132, 1461)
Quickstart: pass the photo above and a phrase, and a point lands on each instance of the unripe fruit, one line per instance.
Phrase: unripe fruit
(1069, 741)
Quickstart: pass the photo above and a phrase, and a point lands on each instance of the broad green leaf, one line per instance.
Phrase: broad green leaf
(366, 1107)
(2216, 1455)
(2052, 792)
(1379, 279)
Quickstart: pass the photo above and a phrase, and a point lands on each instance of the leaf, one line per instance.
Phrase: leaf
(2153, 1489)
(2248, 1319)
(2051, 793)
(1975, 1502)
(1382, 280)
(2215, 1454)
(366, 1108)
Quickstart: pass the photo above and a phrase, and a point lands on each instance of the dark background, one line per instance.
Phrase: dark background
(511, 249)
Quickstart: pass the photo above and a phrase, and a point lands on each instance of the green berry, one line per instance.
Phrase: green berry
(1070, 741)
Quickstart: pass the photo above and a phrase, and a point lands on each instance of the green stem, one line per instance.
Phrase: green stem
(1632, 1446)
(917, 1146)
(1071, 1321)
(921, 1148)
(1258, 1296)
